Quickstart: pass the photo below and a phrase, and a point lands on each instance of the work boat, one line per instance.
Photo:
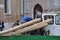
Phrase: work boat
(54, 25)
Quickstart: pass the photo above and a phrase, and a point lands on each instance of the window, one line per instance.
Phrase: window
(57, 19)
(49, 17)
(7, 6)
(26, 6)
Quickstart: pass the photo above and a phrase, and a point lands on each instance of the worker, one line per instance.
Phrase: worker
(16, 23)
(38, 14)
(26, 19)
(1, 25)
(40, 31)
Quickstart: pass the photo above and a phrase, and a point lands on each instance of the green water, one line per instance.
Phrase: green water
(30, 38)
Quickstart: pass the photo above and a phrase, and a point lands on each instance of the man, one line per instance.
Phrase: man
(26, 19)
(1, 25)
(38, 14)
(16, 23)
(40, 31)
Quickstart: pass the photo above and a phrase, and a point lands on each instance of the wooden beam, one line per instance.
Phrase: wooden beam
(21, 26)
(30, 28)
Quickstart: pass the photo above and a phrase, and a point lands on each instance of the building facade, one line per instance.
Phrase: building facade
(9, 10)
(12, 10)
